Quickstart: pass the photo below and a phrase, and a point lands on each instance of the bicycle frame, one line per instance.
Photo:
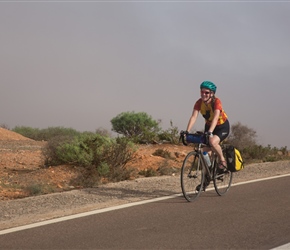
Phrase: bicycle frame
(208, 170)
(196, 174)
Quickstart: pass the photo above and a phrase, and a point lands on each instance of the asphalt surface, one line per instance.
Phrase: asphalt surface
(250, 216)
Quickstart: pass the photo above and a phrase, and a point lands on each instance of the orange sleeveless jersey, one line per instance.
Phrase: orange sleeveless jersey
(207, 111)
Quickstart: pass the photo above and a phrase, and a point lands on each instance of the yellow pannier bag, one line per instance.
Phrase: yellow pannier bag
(234, 159)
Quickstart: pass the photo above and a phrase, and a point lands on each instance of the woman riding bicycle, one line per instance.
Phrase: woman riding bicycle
(217, 126)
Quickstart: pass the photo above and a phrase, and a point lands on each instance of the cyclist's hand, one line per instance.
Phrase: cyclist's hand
(183, 133)
(182, 137)
(207, 136)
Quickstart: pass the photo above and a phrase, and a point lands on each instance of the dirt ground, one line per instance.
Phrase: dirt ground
(23, 173)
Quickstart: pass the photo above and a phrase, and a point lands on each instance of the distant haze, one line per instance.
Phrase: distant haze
(78, 64)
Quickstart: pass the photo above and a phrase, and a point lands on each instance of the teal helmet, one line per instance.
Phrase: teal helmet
(208, 85)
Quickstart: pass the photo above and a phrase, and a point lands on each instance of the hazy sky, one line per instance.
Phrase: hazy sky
(79, 64)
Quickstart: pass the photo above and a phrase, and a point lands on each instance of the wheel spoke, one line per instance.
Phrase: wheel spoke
(191, 176)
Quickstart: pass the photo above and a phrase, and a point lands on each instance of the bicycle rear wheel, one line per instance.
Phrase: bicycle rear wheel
(221, 181)
(191, 176)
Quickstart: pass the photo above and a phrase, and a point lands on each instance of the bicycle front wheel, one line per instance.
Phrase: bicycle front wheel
(221, 181)
(192, 176)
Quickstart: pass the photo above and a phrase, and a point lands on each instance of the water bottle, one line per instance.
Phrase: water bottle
(207, 159)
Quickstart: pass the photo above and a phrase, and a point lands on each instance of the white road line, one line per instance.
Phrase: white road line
(262, 179)
(283, 247)
(98, 211)
(75, 216)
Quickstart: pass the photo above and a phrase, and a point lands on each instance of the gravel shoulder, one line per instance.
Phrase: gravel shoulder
(40, 208)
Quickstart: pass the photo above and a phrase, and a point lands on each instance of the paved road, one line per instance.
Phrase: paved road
(251, 216)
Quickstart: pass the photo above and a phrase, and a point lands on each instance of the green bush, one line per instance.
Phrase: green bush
(103, 169)
(38, 189)
(140, 127)
(164, 153)
(76, 153)
(165, 168)
(88, 177)
(51, 151)
(148, 172)
(32, 133)
(265, 154)
(170, 135)
(45, 134)
(107, 155)
(244, 138)
(120, 152)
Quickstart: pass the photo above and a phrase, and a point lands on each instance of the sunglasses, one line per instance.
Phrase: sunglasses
(205, 92)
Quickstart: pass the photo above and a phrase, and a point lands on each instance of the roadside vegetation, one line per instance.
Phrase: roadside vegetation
(104, 157)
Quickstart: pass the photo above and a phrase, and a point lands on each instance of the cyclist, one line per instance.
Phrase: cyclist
(217, 126)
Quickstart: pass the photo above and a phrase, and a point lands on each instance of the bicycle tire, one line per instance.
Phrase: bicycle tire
(191, 176)
(221, 181)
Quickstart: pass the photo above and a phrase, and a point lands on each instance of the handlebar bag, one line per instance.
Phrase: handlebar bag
(195, 138)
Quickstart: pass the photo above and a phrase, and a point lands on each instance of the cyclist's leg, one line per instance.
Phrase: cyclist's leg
(221, 132)
(207, 148)
(215, 143)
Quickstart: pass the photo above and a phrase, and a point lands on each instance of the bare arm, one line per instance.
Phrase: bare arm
(192, 119)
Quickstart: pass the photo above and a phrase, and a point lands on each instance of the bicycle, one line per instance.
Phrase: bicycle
(196, 175)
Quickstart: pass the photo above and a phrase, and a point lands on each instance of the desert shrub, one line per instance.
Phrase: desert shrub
(103, 132)
(45, 134)
(50, 132)
(265, 154)
(166, 169)
(271, 158)
(82, 150)
(284, 150)
(149, 172)
(32, 133)
(242, 136)
(5, 126)
(121, 151)
(76, 153)
(255, 152)
(140, 127)
(164, 153)
(88, 177)
(34, 189)
(170, 135)
(52, 149)
(38, 189)
(103, 169)
(107, 155)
